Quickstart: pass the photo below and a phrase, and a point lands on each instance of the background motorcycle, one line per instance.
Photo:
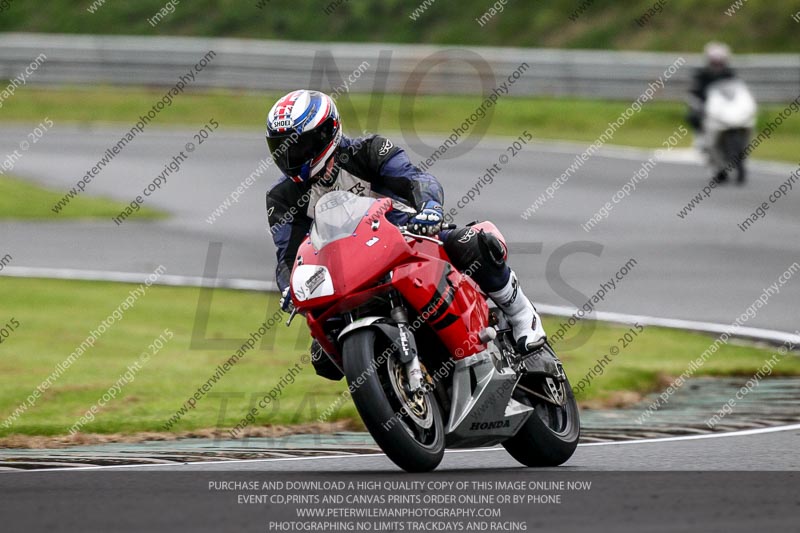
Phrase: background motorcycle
(428, 362)
(729, 118)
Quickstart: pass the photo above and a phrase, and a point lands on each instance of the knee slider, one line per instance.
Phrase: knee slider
(479, 253)
(491, 248)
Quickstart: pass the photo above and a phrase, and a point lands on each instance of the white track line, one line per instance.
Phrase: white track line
(742, 433)
(677, 156)
(260, 285)
(135, 277)
(677, 323)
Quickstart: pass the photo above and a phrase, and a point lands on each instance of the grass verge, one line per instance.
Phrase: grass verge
(49, 329)
(546, 118)
(21, 199)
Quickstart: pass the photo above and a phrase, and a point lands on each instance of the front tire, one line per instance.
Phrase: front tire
(741, 173)
(734, 146)
(401, 435)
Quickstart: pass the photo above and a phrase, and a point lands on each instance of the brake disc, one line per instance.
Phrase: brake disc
(416, 404)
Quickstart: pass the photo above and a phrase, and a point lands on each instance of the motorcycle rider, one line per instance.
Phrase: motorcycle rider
(717, 68)
(304, 135)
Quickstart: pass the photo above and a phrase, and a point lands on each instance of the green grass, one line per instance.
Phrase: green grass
(545, 118)
(23, 200)
(56, 316)
(655, 357)
(682, 25)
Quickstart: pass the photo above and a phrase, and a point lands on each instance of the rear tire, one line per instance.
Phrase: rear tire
(550, 435)
(409, 445)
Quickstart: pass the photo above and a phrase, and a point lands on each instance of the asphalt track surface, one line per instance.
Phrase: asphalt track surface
(701, 268)
(725, 483)
(764, 449)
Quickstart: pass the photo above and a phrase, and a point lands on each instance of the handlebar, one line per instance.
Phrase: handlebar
(404, 229)
(406, 233)
(422, 237)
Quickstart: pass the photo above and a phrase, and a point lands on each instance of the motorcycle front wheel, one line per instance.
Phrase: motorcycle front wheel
(734, 143)
(408, 427)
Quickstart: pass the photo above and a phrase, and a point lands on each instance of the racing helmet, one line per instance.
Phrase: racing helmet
(303, 133)
(718, 55)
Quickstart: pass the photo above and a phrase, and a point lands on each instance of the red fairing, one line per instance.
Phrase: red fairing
(358, 265)
(359, 261)
(448, 301)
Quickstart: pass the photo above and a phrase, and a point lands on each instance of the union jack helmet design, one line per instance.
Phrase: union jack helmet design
(303, 132)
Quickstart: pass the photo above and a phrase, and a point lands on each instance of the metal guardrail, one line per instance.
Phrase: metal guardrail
(392, 68)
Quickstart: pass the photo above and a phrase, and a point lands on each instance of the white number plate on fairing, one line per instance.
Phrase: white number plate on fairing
(311, 281)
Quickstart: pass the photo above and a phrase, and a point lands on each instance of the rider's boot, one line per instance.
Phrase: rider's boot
(525, 322)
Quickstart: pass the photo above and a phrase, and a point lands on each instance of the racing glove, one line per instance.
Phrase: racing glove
(429, 220)
(286, 301)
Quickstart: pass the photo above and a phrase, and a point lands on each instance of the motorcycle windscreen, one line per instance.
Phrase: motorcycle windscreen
(336, 216)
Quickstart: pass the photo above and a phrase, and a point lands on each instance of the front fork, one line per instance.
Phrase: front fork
(408, 349)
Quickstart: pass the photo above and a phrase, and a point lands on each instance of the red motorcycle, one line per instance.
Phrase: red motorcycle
(429, 363)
